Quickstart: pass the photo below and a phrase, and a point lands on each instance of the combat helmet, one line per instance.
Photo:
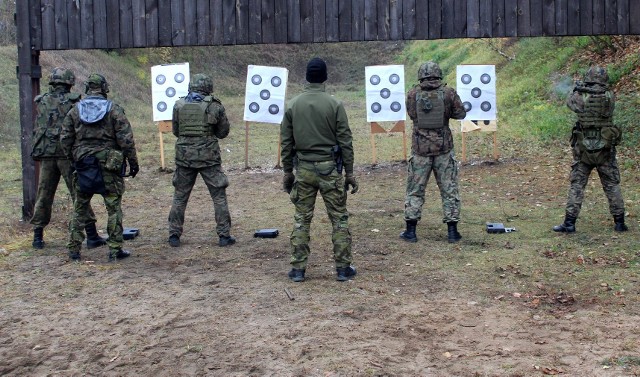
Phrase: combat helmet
(596, 74)
(62, 76)
(201, 83)
(429, 70)
(96, 81)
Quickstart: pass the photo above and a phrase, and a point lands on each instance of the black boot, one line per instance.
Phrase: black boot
(568, 226)
(118, 254)
(345, 273)
(226, 241)
(297, 274)
(93, 239)
(619, 223)
(409, 235)
(452, 232)
(38, 242)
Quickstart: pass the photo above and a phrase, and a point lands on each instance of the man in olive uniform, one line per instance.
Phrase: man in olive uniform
(593, 141)
(97, 136)
(430, 105)
(199, 120)
(313, 124)
(51, 109)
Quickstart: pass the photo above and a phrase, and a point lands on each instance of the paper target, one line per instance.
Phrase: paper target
(168, 83)
(476, 86)
(265, 94)
(385, 93)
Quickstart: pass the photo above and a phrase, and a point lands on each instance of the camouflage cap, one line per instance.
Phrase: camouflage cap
(596, 74)
(61, 75)
(201, 83)
(429, 70)
(96, 82)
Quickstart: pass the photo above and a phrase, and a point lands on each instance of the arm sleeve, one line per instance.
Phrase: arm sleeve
(457, 108)
(411, 104)
(67, 136)
(222, 127)
(174, 122)
(287, 143)
(575, 102)
(124, 134)
(345, 139)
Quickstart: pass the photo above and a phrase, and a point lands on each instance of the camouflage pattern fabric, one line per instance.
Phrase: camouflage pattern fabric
(51, 109)
(183, 180)
(445, 170)
(429, 70)
(50, 173)
(311, 178)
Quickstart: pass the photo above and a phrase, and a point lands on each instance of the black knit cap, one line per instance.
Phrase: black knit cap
(316, 71)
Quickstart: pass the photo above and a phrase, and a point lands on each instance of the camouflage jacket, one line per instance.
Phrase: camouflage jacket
(433, 142)
(51, 108)
(576, 101)
(313, 123)
(96, 124)
(201, 151)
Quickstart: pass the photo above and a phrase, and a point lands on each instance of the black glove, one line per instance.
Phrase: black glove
(351, 180)
(287, 182)
(72, 167)
(133, 168)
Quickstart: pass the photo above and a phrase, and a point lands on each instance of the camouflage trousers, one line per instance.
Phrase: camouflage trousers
(311, 178)
(50, 173)
(445, 169)
(113, 203)
(184, 179)
(609, 178)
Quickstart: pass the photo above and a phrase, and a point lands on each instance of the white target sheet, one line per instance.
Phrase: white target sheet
(168, 83)
(476, 86)
(385, 93)
(265, 94)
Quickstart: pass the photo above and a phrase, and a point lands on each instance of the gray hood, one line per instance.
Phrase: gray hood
(93, 109)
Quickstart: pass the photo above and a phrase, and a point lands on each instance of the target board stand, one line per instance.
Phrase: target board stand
(168, 83)
(385, 102)
(476, 86)
(264, 101)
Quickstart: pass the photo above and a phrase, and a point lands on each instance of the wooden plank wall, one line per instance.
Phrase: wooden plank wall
(63, 24)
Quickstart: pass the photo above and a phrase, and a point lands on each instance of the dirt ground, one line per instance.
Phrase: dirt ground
(201, 310)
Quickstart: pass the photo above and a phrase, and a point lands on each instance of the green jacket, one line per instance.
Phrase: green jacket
(51, 108)
(313, 123)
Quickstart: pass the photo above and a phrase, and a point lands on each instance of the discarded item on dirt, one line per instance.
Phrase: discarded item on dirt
(289, 294)
(266, 233)
(498, 228)
(130, 233)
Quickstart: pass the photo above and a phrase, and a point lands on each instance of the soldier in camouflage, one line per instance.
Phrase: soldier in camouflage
(51, 109)
(199, 121)
(430, 105)
(98, 138)
(593, 141)
(314, 122)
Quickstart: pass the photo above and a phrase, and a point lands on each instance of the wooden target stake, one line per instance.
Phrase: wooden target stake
(472, 126)
(163, 127)
(376, 128)
(246, 147)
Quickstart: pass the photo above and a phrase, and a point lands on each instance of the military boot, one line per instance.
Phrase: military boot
(619, 223)
(409, 234)
(93, 239)
(452, 232)
(74, 256)
(568, 226)
(297, 274)
(345, 273)
(118, 254)
(226, 241)
(174, 240)
(38, 241)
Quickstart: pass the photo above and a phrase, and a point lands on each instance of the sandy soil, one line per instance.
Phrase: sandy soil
(201, 310)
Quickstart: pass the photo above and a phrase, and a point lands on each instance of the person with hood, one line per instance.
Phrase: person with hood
(430, 105)
(51, 108)
(199, 121)
(98, 138)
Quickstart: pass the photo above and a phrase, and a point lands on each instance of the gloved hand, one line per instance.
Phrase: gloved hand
(72, 167)
(133, 168)
(287, 182)
(351, 180)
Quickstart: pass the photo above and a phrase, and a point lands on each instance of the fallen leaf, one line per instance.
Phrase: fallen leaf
(447, 355)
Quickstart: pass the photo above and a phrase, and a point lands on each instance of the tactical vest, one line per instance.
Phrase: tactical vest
(430, 109)
(595, 122)
(51, 109)
(192, 118)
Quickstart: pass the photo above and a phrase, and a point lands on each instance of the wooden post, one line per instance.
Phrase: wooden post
(400, 127)
(464, 147)
(246, 145)
(279, 151)
(495, 145)
(163, 126)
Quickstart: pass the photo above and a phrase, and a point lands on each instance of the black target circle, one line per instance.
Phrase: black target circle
(161, 106)
(161, 79)
(394, 78)
(276, 81)
(476, 92)
(274, 109)
(254, 107)
(466, 79)
(375, 80)
(485, 78)
(179, 77)
(385, 93)
(396, 106)
(256, 79)
(485, 106)
(467, 106)
(376, 107)
(265, 94)
(170, 92)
